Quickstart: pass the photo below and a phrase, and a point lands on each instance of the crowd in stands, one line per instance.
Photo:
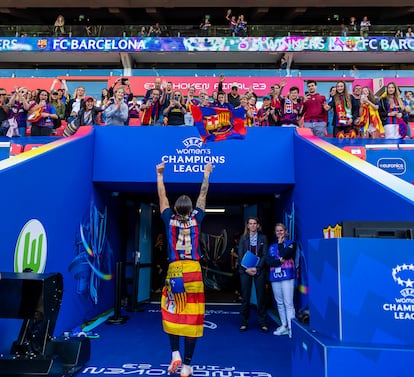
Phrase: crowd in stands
(236, 26)
(340, 114)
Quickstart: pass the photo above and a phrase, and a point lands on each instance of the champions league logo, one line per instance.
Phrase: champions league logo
(192, 157)
(401, 275)
(403, 308)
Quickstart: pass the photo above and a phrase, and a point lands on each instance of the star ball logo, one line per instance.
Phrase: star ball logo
(403, 308)
(407, 271)
(192, 157)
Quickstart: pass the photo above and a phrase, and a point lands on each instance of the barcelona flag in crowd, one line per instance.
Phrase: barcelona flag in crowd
(217, 123)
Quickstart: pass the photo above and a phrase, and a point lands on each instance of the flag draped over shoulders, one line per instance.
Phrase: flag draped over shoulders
(219, 123)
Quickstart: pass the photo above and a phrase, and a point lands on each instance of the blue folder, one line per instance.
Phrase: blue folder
(250, 260)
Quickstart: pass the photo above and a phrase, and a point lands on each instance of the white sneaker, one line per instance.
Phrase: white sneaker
(186, 371)
(282, 330)
(175, 362)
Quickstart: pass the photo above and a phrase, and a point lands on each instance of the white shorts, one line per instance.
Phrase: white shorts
(392, 131)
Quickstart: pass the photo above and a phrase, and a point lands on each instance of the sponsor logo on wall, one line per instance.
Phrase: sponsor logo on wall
(403, 307)
(396, 166)
(31, 248)
(192, 156)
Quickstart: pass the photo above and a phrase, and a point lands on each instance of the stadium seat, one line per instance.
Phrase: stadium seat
(357, 151)
(134, 122)
(411, 129)
(29, 147)
(15, 149)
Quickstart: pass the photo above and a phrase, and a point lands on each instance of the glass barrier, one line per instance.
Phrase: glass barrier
(189, 30)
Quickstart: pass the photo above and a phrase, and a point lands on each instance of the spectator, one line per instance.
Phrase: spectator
(314, 114)
(399, 34)
(59, 106)
(356, 92)
(344, 30)
(332, 93)
(244, 103)
(291, 108)
(364, 27)
(352, 25)
(344, 107)
(369, 119)
(124, 82)
(133, 108)
(232, 22)
(116, 114)
(252, 100)
(143, 32)
(409, 102)
(276, 95)
(409, 33)
(166, 94)
(266, 115)
(59, 26)
(105, 98)
(286, 61)
(18, 108)
(233, 98)
(354, 71)
(205, 27)
(63, 92)
(175, 110)
(157, 85)
(4, 112)
(191, 97)
(393, 113)
(152, 109)
(41, 114)
(88, 114)
(75, 104)
(155, 31)
(241, 27)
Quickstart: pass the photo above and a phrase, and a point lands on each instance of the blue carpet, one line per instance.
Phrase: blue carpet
(140, 347)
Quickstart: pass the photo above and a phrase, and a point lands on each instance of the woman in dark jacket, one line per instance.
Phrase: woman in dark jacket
(253, 244)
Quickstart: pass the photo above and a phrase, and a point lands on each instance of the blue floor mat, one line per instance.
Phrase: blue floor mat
(140, 347)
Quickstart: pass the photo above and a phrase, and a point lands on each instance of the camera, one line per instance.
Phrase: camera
(124, 80)
(175, 98)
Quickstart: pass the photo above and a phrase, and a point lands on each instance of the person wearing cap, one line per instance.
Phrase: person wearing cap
(266, 114)
(88, 114)
(60, 107)
(233, 98)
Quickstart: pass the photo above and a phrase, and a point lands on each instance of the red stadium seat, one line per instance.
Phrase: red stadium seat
(134, 122)
(29, 147)
(357, 151)
(15, 149)
(411, 129)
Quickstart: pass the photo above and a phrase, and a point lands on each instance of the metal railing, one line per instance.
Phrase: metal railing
(189, 30)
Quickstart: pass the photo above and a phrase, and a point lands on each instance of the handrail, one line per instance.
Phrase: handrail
(190, 30)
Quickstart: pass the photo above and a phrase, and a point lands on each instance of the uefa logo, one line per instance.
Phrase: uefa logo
(31, 248)
(403, 275)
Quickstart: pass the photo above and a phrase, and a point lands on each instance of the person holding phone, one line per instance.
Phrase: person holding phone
(175, 110)
(152, 109)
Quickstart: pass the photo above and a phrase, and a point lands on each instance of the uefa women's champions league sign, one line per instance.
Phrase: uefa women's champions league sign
(213, 44)
(362, 290)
